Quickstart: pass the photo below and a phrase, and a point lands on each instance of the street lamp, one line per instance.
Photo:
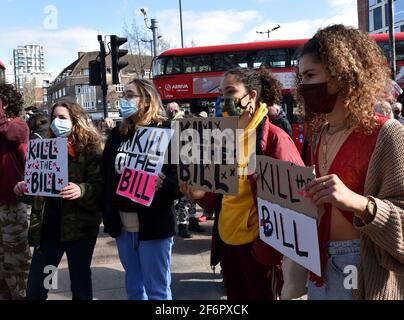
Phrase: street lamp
(153, 27)
(182, 32)
(392, 41)
(269, 31)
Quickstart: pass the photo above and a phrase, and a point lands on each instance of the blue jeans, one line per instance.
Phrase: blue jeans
(147, 266)
(79, 255)
(340, 255)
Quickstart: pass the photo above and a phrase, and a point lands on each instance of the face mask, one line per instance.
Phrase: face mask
(316, 98)
(127, 108)
(61, 127)
(233, 107)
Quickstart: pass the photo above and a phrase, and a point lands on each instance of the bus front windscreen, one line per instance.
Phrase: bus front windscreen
(158, 66)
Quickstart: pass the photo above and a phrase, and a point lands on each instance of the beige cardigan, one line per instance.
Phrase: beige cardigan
(381, 270)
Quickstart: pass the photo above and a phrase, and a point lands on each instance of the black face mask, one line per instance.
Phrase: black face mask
(233, 106)
(316, 98)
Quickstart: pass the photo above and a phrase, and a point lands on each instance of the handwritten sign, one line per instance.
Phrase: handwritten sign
(46, 168)
(207, 153)
(291, 233)
(283, 183)
(288, 219)
(139, 161)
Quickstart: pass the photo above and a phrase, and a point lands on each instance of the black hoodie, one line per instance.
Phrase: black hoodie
(156, 221)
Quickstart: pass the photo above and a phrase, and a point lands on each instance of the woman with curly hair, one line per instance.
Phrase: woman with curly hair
(251, 268)
(68, 224)
(359, 156)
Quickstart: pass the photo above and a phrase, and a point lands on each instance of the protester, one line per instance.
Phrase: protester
(278, 117)
(14, 250)
(246, 261)
(397, 108)
(70, 223)
(144, 235)
(385, 109)
(358, 157)
(38, 124)
(174, 112)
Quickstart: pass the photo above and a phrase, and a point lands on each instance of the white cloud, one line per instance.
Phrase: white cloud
(300, 29)
(231, 26)
(342, 3)
(205, 28)
(60, 46)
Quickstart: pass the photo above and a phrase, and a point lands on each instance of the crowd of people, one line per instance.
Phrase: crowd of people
(355, 141)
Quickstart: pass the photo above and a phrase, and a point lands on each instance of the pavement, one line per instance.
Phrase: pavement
(192, 277)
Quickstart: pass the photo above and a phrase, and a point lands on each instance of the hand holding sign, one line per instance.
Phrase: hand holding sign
(20, 188)
(159, 181)
(330, 189)
(190, 192)
(71, 192)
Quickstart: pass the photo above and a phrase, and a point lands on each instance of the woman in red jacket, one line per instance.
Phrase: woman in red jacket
(236, 241)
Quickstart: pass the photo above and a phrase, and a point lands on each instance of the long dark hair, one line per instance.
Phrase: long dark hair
(12, 98)
(268, 88)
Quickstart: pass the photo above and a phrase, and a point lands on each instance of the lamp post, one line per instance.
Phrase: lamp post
(153, 27)
(269, 31)
(182, 31)
(392, 40)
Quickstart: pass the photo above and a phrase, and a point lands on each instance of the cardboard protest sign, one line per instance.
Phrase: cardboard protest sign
(288, 219)
(207, 154)
(140, 161)
(46, 168)
(283, 183)
(291, 233)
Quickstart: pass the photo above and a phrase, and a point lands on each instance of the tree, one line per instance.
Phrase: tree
(164, 45)
(29, 93)
(139, 52)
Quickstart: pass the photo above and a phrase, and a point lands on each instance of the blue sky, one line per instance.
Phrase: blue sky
(71, 26)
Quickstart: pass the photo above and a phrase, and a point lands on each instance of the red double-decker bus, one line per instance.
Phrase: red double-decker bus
(2, 72)
(191, 76)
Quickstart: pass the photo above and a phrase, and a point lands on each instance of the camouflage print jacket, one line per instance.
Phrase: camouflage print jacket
(80, 218)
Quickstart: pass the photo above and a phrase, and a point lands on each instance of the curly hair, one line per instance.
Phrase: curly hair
(84, 134)
(359, 67)
(12, 98)
(151, 108)
(269, 89)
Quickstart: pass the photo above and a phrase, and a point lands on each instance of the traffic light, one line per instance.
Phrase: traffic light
(116, 57)
(94, 67)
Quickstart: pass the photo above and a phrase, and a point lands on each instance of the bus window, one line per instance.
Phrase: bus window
(173, 65)
(246, 59)
(293, 52)
(278, 58)
(200, 63)
(158, 66)
(261, 59)
(400, 50)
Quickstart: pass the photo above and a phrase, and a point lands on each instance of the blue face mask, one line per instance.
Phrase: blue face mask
(127, 108)
(61, 127)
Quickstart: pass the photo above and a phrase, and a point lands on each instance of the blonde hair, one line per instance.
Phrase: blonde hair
(84, 134)
(150, 107)
(360, 68)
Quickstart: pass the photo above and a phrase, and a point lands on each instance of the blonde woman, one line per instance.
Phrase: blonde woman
(144, 235)
(68, 224)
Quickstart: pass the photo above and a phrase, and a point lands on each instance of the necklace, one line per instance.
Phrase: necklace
(336, 133)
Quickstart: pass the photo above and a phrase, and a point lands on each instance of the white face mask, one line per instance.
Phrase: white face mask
(61, 127)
